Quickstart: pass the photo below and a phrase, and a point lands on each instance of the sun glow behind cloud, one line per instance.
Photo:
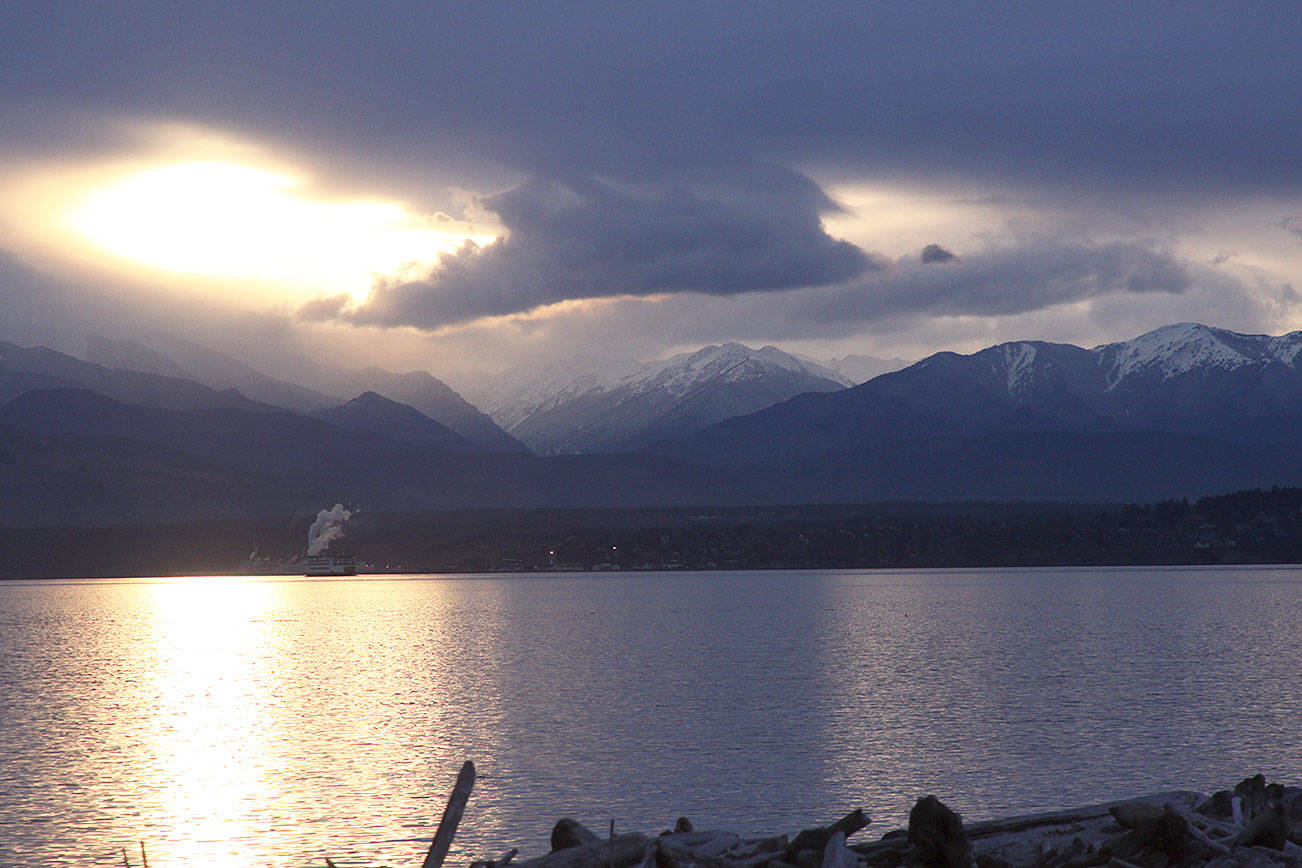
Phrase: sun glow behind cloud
(232, 222)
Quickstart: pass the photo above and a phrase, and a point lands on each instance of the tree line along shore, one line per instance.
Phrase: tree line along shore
(1260, 526)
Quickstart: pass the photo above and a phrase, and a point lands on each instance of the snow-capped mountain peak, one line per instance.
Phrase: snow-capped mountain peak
(515, 395)
(1183, 347)
(728, 362)
(673, 397)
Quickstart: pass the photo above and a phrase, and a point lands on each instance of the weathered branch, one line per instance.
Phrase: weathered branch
(438, 848)
(816, 839)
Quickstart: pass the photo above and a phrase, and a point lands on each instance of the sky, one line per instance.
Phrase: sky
(467, 187)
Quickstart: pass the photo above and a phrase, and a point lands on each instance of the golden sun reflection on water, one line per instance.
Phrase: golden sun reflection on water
(305, 718)
(211, 644)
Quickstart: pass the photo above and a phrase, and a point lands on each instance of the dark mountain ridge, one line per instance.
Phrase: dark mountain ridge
(1185, 379)
(191, 361)
(23, 369)
(435, 399)
(315, 462)
(421, 390)
(372, 413)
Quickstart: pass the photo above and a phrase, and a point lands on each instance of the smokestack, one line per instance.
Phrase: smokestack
(328, 527)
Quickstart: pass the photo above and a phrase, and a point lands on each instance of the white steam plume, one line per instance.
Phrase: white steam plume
(328, 527)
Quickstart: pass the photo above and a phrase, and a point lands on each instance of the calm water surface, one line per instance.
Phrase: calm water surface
(272, 722)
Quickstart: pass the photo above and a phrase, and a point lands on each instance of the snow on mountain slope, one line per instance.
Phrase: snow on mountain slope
(729, 362)
(1144, 363)
(1286, 348)
(1184, 379)
(667, 398)
(1178, 349)
(1018, 365)
(515, 395)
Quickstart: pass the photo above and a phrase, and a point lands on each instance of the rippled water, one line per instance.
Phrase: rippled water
(253, 721)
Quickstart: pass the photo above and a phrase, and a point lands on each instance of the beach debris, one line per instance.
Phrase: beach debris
(569, 832)
(816, 839)
(1254, 825)
(500, 862)
(620, 852)
(936, 836)
(837, 855)
(1135, 813)
(1252, 798)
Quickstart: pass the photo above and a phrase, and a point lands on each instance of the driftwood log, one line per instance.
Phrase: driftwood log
(837, 855)
(569, 832)
(1253, 826)
(438, 848)
(816, 839)
(622, 850)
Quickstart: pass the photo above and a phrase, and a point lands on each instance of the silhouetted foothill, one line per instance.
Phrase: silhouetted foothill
(936, 836)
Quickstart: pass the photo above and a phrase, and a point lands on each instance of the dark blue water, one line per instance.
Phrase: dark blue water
(254, 721)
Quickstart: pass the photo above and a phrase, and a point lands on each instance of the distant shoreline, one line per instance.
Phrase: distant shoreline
(1258, 527)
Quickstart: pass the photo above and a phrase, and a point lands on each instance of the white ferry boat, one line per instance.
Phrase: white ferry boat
(329, 565)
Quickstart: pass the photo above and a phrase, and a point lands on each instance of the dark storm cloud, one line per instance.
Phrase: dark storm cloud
(1119, 93)
(580, 237)
(1028, 277)
(933, 253)
(1035, 275)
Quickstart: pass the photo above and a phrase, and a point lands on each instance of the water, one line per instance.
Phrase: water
(273, 722)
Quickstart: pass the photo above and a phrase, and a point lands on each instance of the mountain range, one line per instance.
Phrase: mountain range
(23, 369)
(1186, 379)
(585, 407)
(77, 456)
(178, 358)
(175, 357)
(1184, 410)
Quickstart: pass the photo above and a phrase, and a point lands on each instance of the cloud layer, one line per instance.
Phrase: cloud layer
(580, 238)
(659, 158)
(1141, 94)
